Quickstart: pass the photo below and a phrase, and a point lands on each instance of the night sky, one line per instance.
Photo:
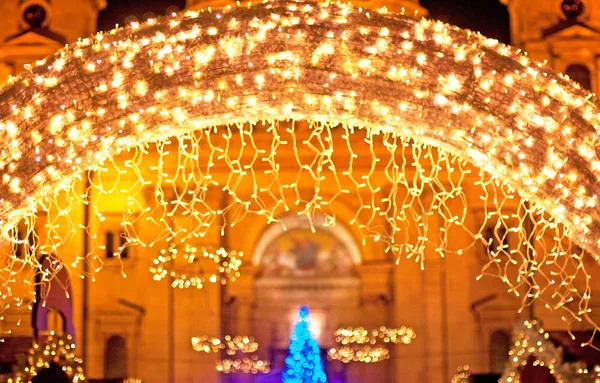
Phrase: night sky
(489, 17)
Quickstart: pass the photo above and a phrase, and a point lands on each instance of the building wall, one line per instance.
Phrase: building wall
(573, 45)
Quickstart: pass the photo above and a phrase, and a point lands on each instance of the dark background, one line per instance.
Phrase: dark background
(489, 17)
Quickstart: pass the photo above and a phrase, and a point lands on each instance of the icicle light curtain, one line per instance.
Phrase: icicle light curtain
(279, 103)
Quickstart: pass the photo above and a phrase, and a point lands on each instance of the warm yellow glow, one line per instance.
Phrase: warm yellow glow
(423, 100)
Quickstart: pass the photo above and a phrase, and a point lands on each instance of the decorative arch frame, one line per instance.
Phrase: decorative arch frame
(525, 116)
(437, 86)
(319, 222)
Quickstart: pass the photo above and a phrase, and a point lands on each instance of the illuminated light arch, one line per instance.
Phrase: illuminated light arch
(436, 85)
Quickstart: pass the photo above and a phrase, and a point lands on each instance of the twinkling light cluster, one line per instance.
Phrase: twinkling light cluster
(56, 349)
(161, 115)
(246, 366)
(360, 335)
(364, 354)
(532, 342)
(227, 264)
(231, 345)
(462, 375)
(359, 344)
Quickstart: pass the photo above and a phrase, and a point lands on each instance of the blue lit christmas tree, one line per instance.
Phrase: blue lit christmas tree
(303, 363)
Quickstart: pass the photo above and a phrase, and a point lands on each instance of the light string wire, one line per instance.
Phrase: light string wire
(186, 90)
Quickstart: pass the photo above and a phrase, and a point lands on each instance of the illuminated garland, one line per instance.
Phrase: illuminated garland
(231, 345)
(246, 365)
(228, 263)
(171, 108)
(57, 349)
(360, 335)
(530, 340)
(362, 354)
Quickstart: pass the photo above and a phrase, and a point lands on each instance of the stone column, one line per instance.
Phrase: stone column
(375, 310)
(419, 302)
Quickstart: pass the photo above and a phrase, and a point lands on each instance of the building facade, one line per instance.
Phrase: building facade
(129, 326)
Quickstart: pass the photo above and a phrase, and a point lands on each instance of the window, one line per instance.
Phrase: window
(581, 74)
(35, 15)
(116, 245)
(24, 246)
(110, 244)
(115, 358)
(122, 244)
(497, 237)
(56, 321)
(18, 246)
(499, 348)
(117, 241)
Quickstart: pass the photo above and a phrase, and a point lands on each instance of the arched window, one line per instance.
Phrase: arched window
(499, 348)
(115, 358)
(581, 74)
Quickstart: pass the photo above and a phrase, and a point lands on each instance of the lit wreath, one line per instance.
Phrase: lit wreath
(227, 262)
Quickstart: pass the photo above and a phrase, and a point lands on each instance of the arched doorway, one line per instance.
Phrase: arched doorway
(499, 348)
(115, 358)
(300, 266)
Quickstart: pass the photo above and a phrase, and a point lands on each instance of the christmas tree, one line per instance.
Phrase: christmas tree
(303, 363)
(56, 351)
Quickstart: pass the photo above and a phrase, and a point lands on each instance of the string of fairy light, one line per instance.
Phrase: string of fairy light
(162, 115)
